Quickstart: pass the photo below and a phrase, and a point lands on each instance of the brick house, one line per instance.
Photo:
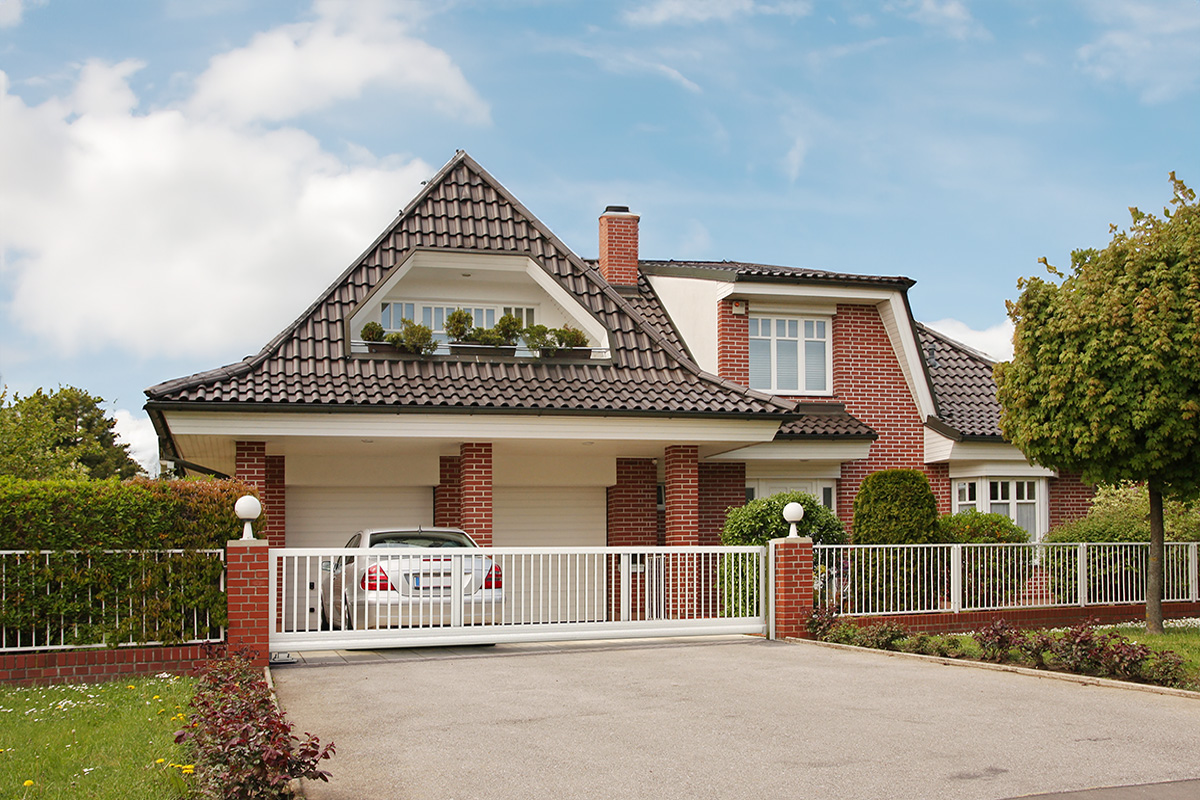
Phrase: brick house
(704, 384)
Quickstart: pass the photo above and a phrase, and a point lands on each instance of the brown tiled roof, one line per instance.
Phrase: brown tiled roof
(740, 270)
(814, 423)
(963, 384)
(464, 208)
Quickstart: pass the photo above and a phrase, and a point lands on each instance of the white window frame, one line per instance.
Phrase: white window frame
(826, 489)
(804, 325)
(1002, 494)
(490, 314)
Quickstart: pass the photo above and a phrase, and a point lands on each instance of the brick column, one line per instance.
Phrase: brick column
(682, 495)
(247, 590)
(792, 603)
(447, 500)
(633, 504)
(475, 490)
(266, 474)
(733, 344)
(722, 486)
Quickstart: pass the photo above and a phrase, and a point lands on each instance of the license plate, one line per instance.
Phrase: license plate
(431, 581)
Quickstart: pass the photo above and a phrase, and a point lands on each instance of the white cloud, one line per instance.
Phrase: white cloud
(674, 12)
(138, 432)
(1149, 46)
(950, 17)
(995, 341)
(165, 232)
(298, 68)
(10, 12)
(629, 62)
(794, 159)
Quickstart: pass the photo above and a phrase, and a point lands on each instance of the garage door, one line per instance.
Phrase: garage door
(548, 517)
(551, 517)
(327, 517)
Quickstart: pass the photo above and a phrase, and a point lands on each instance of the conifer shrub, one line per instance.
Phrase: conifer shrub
(895, 506)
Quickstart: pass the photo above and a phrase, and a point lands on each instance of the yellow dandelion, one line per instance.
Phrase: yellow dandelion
(27, 784)
(131, 686)
(159, 760)
(156, 697)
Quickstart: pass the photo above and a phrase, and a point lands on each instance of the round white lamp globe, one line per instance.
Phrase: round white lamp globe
(248, 509)
(793, 513)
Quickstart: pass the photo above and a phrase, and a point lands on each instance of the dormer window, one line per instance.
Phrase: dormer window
(790, 355)
(433, 315)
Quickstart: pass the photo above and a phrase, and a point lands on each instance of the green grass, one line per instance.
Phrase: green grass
(100, 741)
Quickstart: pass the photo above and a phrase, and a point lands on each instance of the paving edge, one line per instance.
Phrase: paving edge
(295, 785)
(1069, 677)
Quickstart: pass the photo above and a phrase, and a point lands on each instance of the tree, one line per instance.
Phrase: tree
(1104, 377)
(61, 434)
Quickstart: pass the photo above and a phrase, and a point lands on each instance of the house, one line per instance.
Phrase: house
(703, 384)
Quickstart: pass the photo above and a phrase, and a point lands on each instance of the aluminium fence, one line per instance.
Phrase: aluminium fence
(905, 579)
(337, 597)
(74, 599)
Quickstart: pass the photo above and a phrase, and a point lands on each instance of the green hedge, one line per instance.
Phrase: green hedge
(136, 514)
(53, 597)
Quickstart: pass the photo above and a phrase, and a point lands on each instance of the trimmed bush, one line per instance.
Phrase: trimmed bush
(761, 520)
(976, 527)
(895, 506)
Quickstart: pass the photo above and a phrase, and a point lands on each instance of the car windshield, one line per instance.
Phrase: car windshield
(417, 540)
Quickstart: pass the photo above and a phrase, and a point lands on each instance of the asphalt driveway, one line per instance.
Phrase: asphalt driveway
(723, 718)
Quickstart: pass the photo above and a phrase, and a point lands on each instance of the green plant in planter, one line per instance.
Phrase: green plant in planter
(413, 338)
(566, 336)
(508, 329)
(458, 325)
(539, 338)
(371, 332)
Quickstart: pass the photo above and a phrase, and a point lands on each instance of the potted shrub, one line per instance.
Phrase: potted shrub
(498, 340)
(458, 325)
(373, 334)
(539, 339)
(413, 338)
(571, 343)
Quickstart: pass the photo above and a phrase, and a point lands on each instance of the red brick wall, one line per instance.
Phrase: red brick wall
(632, 504)
(722, 485)
(1069, 498)
(867, 377)
(733, 344)
(447, 498)
(103, 664)
(682, 495)
(619, 248)
(475, 488)
(793, 601)
(247, 592)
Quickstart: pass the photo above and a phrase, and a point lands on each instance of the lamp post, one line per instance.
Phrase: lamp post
(248, 509)
(793, 513)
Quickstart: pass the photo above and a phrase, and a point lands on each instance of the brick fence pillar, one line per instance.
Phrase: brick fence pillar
(248, 590)
(792, 602)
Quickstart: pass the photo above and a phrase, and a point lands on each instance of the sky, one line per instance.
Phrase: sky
(180, 179)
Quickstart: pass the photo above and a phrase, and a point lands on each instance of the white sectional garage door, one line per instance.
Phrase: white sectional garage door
(549, 516)
(327, 517)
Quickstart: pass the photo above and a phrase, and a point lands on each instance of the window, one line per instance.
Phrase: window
(1019, 500)
(790, 355)
(822, 490)
(433, 315)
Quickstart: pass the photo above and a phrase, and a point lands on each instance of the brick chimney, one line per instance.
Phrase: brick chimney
(619, 246)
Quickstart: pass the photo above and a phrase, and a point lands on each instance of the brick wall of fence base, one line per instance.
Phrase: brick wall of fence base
(95, 666)
(945, 622)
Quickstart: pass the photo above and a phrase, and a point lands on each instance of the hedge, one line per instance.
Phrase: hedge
(140, 513)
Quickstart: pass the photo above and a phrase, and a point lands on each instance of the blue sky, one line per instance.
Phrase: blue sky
(179, 180)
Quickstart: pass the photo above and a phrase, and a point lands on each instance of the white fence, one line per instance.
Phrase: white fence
(340, 598)
(901, 579)
(72, 599)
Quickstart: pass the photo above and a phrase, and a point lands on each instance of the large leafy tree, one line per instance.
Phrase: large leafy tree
(1105, 375)
(64, 433)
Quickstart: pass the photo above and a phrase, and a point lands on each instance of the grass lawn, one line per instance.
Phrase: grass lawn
(111, 740)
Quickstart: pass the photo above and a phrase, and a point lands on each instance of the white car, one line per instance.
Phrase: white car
(386, 587)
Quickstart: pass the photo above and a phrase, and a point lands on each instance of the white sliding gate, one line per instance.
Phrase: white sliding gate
(335, 598)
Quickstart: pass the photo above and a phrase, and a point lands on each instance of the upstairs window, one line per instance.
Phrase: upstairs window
(433, 316)
(790, 355)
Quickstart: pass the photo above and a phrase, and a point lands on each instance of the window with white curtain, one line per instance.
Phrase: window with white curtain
(1020, 499)
(790, 355)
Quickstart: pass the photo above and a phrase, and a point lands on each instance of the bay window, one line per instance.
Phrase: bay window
(1021, 500)
(790, 355)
